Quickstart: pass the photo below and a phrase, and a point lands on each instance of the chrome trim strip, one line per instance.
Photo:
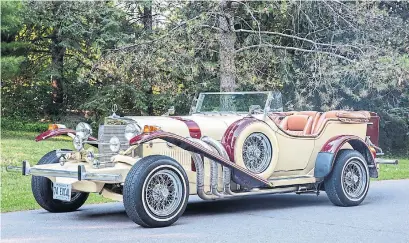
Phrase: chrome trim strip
(290, 178)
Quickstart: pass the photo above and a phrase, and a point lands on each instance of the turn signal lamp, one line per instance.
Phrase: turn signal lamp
(148, 129)
(52, 127)
(373, 151)
(55, 126)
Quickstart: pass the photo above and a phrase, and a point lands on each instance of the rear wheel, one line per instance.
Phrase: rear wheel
(348, 183)
(42, 189)
(156, 191)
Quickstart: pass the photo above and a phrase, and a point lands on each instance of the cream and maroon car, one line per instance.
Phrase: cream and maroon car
(231, 145)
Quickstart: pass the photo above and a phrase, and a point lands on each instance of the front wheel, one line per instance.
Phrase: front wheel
(156, 191)
(348, 183)
(42, 189)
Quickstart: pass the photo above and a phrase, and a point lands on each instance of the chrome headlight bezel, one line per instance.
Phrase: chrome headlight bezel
(131, 130)
(78, 143)
(83, 130)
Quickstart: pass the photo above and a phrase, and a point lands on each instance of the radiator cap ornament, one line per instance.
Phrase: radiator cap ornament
(114, 110)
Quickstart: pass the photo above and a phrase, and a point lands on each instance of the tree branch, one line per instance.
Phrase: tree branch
(294, 49)
(294, 37)
(209, 26)
(159, 38)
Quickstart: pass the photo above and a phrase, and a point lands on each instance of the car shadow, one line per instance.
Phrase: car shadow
(116, 211)
(254, 203)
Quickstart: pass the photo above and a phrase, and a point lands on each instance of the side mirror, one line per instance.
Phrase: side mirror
(171, 111)
(254, 108)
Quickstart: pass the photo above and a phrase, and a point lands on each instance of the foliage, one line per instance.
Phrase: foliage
(11, 50)
(146, 56)
(24, 126)
(65, 39)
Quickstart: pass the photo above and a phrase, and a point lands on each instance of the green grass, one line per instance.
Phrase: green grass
(15, 188)
(394, 172)
(18, 146)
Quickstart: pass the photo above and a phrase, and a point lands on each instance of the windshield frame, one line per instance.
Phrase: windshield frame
(267, 107)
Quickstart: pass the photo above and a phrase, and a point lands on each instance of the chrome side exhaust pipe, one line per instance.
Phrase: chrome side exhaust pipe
(226, 171)
(198, 161)
(227, 193)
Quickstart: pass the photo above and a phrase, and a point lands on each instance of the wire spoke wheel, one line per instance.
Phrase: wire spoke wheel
(163, 193)
(156, 191)
(354, 179)
(257, 152)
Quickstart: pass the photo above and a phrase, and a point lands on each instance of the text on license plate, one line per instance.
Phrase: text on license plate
(62, 191)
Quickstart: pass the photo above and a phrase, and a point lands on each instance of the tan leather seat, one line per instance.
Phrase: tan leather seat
(298, 125)
(314, 114)
(320, 123)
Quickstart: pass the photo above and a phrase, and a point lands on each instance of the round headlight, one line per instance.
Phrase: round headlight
(77, 141)
(83, 130)
(131, 130)
(114, 144)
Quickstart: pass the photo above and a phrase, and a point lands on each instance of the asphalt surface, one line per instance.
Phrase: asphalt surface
(382, 217)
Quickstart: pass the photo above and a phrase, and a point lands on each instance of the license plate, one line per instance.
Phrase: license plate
(62, 191)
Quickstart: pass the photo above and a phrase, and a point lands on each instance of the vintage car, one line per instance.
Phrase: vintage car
(231, 145)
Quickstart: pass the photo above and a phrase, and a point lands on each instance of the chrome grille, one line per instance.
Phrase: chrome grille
(105, 133)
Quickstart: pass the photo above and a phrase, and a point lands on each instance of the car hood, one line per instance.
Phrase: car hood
(213, 126)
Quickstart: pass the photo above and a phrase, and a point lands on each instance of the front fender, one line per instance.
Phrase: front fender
(248, 178)
(58, 132)
(326, 157)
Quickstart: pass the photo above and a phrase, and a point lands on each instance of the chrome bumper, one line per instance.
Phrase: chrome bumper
(386, 161)
(80, 174)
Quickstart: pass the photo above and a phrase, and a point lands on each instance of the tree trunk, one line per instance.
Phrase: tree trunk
(147, 17)
(57, 66)
(227, 39)
(147, 26)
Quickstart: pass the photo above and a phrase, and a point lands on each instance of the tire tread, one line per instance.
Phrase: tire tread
(332, 182)
(134, 179)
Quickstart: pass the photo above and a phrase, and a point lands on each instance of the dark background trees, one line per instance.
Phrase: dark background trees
(63, 58)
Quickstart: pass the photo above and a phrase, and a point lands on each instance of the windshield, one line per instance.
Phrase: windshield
(238, 102)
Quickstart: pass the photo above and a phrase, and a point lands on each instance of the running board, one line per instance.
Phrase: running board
(292, 180)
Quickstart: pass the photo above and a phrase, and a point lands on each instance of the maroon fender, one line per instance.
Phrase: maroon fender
(194, 129)
(229, 140)
(194, 132)
(230, 136)
(247, 177)
(326, 157)
(58, 132)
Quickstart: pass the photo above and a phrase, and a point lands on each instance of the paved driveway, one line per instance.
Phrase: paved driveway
(383, 217)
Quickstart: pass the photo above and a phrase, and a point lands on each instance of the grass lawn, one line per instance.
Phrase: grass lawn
(395, 172)
(15, 188)
(18, 146)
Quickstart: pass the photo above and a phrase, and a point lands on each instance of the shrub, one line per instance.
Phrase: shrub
(16, 125)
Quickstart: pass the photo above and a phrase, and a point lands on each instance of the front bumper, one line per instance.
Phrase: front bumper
(80, 174)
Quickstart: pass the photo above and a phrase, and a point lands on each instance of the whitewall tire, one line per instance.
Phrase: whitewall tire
(156, 191)
(348, 182)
